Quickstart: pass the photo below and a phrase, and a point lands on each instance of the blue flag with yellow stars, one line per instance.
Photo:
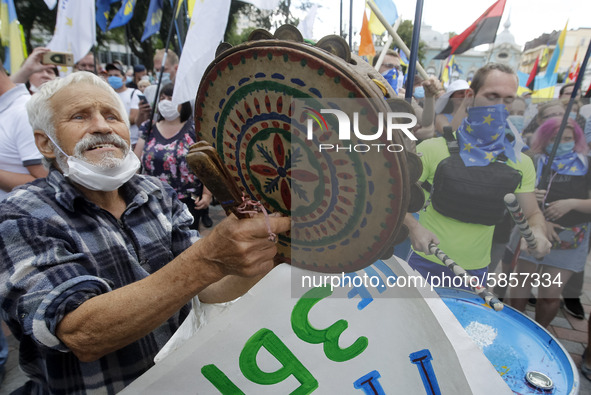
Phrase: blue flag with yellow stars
(153, 20)
(124, 14)
(482, 136)
(394, 78)
(571, 164)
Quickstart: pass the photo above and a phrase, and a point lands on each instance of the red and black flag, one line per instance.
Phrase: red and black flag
(483, 31)
(532, 75)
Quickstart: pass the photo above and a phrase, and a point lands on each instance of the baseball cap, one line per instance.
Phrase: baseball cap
(138, 68)
(114, 66)
(457, 85)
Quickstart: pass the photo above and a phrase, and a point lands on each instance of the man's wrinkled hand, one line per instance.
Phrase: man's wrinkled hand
(242, 247)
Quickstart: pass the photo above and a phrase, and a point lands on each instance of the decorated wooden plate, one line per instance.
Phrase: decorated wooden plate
(254, 106)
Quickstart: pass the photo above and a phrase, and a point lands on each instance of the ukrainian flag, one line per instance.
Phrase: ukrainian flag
(553, 62)
(544, 86)
(12, 37)
(523, 77)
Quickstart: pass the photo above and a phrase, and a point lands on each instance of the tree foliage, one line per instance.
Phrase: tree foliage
(255, 18)
(39, 22)
(35, 15)
(405, 33)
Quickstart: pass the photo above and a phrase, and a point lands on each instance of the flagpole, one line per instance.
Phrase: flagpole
(176, 26)
(569, 106)
(395, 36)
(341, 20)
(387, 45)
(414, 52)
(94, 54)
(162, 68)
(351, 24)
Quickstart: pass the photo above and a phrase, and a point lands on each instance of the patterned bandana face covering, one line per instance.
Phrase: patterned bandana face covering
(569, 163)
(482, 136)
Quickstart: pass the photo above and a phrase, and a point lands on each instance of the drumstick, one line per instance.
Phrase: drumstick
(488, 297)
(517, 214)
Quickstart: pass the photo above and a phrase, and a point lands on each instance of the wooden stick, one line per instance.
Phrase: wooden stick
(517, 214)
(486, 295)
(396, 37)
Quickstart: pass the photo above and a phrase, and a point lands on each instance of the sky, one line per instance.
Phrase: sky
(529, 18)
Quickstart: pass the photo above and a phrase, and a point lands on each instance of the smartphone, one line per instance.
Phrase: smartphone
(142, 98)
(58, 58)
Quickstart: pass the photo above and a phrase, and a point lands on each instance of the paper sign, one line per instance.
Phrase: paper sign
(347, 340)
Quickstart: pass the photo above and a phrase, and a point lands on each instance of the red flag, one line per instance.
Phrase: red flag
(574, 69)
(366, 45)
(483, 31)
(532, 75)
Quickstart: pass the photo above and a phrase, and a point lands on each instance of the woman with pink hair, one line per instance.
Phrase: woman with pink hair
(566, 204)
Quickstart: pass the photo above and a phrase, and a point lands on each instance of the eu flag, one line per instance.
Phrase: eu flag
(124, 14)
(154, 19)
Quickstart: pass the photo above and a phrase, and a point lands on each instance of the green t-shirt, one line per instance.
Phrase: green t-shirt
(467, 244)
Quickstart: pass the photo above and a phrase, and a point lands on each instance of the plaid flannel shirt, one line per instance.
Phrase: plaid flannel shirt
(58, 250)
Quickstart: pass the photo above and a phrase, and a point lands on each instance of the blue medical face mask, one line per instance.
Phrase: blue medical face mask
(115, 82)
(128, 80)
(517, 121)
(563, 148)
(419, 92)
(572, 115)
(165, 79)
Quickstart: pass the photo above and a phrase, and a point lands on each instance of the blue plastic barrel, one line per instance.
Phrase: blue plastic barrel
(515, 344)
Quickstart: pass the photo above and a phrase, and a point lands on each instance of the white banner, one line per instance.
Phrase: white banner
(208, 24)
(75, 28)
(350, 340)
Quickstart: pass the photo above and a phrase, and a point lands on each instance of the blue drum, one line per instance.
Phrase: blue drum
(527, 356)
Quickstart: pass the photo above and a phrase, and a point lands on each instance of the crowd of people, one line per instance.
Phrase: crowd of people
(486, 142)
(100, 213)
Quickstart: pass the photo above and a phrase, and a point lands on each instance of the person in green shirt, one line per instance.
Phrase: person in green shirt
(462, 213)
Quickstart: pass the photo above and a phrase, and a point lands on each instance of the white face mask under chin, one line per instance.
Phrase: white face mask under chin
(97, 178)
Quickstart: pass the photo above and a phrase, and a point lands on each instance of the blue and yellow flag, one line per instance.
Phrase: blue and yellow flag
(12, 37)
(153, 20)
(553, 63)
(403, 58)
(388, 10)
(446, 72)
(102, 13)
(124, 14)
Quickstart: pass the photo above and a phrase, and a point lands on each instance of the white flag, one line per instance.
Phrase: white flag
(75, 28)
(306, 25)
(208, 24)
(51, 4)
(264, 4)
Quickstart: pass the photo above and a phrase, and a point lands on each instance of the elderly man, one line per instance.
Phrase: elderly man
(98, 262)
(470, 176)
